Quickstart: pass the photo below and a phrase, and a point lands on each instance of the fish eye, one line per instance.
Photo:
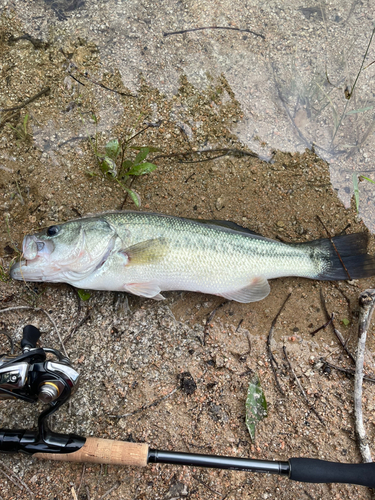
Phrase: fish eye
(53, 230)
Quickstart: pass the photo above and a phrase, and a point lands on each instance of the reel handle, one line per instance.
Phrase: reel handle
(31, 335)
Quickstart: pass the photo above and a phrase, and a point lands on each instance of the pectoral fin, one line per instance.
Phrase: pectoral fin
(258, 289)
(149, 290)
(146, 252)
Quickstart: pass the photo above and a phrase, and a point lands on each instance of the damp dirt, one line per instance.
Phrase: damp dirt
(157, 372)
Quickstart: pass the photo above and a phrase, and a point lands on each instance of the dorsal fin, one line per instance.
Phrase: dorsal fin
(226, 224)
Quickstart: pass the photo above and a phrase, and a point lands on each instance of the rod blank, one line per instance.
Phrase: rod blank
(307, 470)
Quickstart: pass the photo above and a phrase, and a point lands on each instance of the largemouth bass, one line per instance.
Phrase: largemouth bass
(146, 253)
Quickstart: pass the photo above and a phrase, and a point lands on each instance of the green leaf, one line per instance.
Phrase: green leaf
(84, 294)
(112, 149)
(143, 168)
(256, 406)
(108, 166)
(25, 123)
(127, 164)
(367, 179)
(151, 149)
(356, 190)
(91, 174)
(134, 196)
(141, 156)
(361, 110)
(345, 322)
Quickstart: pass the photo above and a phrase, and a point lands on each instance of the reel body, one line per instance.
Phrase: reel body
(30, 376)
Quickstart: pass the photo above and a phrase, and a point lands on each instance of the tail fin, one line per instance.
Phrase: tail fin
(351, 252)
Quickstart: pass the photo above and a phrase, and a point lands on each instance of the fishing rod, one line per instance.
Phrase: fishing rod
(31, 376)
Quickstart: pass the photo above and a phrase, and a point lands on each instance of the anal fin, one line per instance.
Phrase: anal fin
(150, 290)
(258, 289)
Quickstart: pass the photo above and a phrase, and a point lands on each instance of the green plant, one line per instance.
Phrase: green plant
(356, 178)
(13, 245)
(4, 275)
(114, 161)
(84, 294)
(21, 130)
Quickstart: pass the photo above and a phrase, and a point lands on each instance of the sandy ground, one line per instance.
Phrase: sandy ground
(131, 351)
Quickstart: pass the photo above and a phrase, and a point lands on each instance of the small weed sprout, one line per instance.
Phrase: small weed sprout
(356, 178)
(4, 275)
(20, 130)
(115, 163)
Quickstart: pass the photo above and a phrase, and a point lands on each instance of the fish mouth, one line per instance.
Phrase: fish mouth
(35, 253)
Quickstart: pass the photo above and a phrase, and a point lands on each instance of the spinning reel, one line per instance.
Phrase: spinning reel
(30, 376)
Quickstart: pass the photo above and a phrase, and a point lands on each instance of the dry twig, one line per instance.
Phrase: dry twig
(348, 371)
(81, 480)
(366, 304)
(210, 318)
(15, 308)
(338, 334)
(21, 484)
(311, 408)
(28, 101)
(181, 32)
(271, 357)
(146, 407)
(78, 325)
(114, 487)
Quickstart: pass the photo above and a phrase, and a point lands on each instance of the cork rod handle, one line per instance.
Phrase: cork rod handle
(104, 451)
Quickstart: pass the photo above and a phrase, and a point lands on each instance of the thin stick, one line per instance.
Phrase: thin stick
(74, 329)
(348, 371)
(28, 101)
(18, 479)
(366, 304)
(83, 473)
(323, 327)
(363, 62)
(210, 318)
(311, 408)
(239, 325)
(8, 117)
(200, 481)
(146, 407)
(335, 331)
(351, 92)
(15, 308)
(225, 151)
(56, 329)
(10, 340)
(270, 355)
(334, 246)
(114, 487)
(11, 480)
(168, 33)
(38, 44)
(91, 80)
